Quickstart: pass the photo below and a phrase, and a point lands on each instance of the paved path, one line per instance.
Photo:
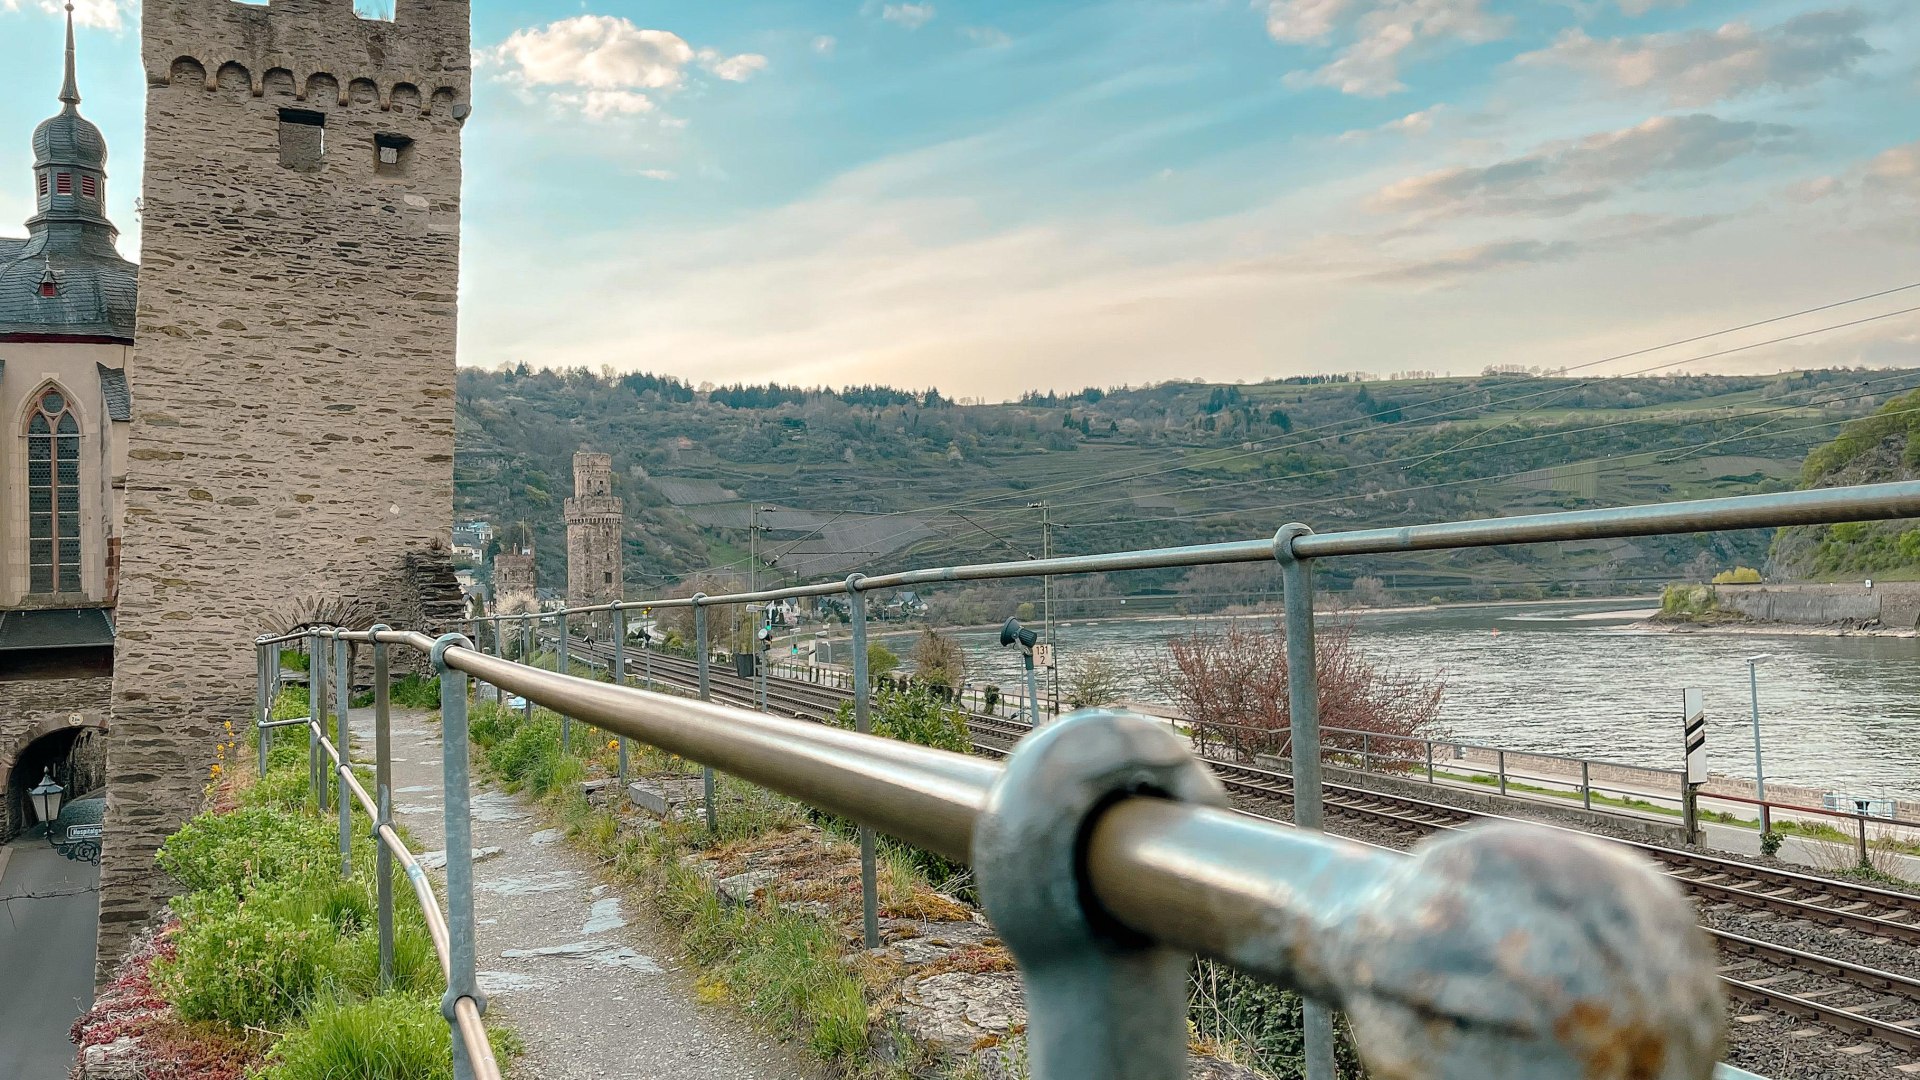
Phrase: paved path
(568, 963)
(46, 953)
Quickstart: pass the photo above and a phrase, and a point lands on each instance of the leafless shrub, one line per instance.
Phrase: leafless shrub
(1232, 683)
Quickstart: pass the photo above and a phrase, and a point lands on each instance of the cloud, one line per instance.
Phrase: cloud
(605, 66)
(1564, 177)
(911, 16)
(1641, 7)
(97, 14)
(738, 68)
(824, 44)
(1699, 67)
(1499, 255)
(662, 175)
(1374, 35)
(1895, 172)
(1414, 123)
(989, 36)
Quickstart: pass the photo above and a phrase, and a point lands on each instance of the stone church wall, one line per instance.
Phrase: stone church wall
(291, 452)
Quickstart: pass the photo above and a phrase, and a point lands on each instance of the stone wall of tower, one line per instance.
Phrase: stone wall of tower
(292, 434)
(516, 583)
(593, 533)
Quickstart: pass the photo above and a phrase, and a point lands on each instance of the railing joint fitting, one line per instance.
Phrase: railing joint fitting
(1283, 541)
(442, 644)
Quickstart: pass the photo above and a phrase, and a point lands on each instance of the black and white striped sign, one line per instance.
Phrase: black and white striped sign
(1694, 709)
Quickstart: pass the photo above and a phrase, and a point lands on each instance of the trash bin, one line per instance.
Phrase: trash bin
(743, 665)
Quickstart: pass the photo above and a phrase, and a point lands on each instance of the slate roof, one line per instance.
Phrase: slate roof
(70, 242)
(113, 387)
(54, 628)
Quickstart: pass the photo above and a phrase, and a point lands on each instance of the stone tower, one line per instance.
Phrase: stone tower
(291, 447)
(593, 533)
(516, 582)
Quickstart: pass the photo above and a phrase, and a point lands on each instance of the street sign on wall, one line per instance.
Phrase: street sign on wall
(1694, 725)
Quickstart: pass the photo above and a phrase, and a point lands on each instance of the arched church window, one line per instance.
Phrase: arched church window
(53, 496)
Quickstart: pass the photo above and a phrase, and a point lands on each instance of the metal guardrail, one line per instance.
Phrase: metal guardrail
(1105, 856)
(452, 933)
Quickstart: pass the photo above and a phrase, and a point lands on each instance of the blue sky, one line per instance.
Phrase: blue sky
(992, 196)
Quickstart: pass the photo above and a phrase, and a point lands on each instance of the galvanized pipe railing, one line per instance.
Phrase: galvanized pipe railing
(463, 1005)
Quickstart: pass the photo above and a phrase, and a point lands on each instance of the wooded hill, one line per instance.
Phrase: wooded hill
(878, 478)
(1878, 449)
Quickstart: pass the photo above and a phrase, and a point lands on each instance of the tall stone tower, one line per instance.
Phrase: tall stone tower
(516, 582)
(593, 533)
(291, 446)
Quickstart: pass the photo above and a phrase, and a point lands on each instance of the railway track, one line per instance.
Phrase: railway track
(1876, 1005)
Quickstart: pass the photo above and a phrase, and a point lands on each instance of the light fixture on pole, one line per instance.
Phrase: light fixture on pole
(1759, 770)
(46, 800)
(1011, 634)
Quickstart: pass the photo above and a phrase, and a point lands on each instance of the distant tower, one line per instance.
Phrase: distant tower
(516, 582)
(593, 533)
(291, 448)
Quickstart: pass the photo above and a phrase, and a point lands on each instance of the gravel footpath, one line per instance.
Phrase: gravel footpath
(590, 988)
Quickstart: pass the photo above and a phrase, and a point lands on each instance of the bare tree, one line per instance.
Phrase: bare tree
(1094, 680)
(938, 662)
(1232, 683)
(1369, 591)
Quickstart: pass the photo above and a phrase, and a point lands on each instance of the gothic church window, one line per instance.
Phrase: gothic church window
(53, 496)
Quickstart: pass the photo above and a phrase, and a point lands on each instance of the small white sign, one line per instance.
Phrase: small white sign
(1043, 656)
(85, 832)
(1694, 731)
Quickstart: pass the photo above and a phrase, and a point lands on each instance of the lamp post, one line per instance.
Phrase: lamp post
(46, 800)
(1759, 770)
(1011, 634)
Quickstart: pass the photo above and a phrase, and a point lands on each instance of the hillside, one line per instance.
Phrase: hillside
(1878, 449)
(877, 478)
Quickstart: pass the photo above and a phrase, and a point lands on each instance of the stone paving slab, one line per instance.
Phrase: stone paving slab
(567, 962)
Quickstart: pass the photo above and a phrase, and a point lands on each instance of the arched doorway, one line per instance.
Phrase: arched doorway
(75, 755)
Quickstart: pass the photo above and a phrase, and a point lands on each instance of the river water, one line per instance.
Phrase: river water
(1840, 713)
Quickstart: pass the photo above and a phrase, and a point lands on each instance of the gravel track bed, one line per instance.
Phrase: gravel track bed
(1772, 1044)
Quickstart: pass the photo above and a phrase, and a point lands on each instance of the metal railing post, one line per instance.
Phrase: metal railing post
(1366, 752)
(383, 798)
(560, 665)
(863, 723)
(342, 694)
(1586, 784)
(526, 657)
(1500, 759)
(1862, 819)
(263, 708)
(1303, 715)
(317, 716)
(462, 948)
(618, 623)
(1429, 743)
(706, 694)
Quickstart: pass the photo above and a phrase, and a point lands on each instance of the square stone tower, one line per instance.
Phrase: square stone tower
(516, 582)
(291, 446)
(593, 534)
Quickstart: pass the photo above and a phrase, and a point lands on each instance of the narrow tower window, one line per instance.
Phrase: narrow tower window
(391, 154)
(89, 187)
(53, 496)
(43, 183)
(303, 139)
(63, 184)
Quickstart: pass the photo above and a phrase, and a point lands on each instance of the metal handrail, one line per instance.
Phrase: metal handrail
(465, 1013)
(1318, 913)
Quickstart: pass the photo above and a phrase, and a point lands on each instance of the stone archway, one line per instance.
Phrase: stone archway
(72, 747)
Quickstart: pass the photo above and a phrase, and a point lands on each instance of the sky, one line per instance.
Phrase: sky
(990, 196)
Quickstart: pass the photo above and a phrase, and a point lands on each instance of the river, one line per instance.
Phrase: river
(1839, 713)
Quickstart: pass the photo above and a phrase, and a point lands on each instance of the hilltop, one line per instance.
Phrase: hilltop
(882, 478)
(1878, 449)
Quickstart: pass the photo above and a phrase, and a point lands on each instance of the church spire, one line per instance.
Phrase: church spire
(70, 90)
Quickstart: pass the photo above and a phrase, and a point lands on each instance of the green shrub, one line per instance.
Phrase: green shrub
(1687, 600)
(284, 788)
(530, 748)
(235, 851)
(915, 716)
(1739, 575)
(1770, 842)
(390, 1037)
(248, 962)
(415, 692)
